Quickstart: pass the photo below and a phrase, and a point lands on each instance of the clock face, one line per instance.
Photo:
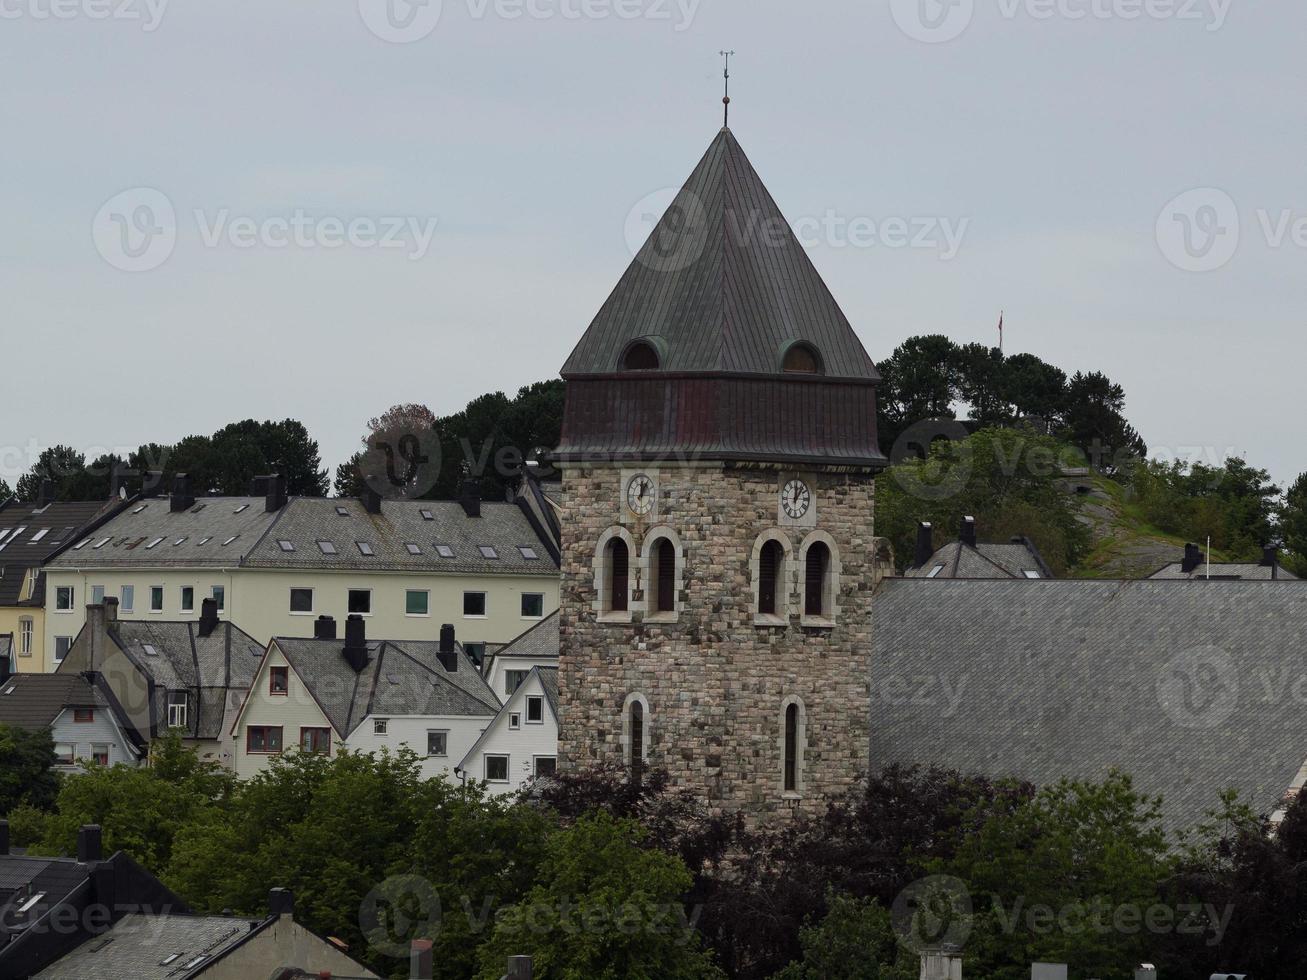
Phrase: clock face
(796, 499)
(640, 495)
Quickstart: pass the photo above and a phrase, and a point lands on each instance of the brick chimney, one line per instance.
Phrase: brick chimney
(89, 847)
(1193, 557)
(356, 644)
(151, 483)
(182, 498)
(967, 533)
(925, 544)
(470, 498)
(324, 628)
(371, 500)
(208, 617)
(275, 498)
(1271, 560)
(448, 649)
(281, 903)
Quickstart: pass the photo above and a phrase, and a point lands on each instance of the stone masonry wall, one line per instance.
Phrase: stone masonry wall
(715, 682)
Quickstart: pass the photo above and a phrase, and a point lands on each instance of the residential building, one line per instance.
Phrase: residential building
(30, 535)
(79, 717)
(1195, 565)
(152, 946)
(316, 694)
(159, 676)
(521, 743)
(274, 564)
(718, 453)
(969, 558)
(6, 655)
(509, 666)
(1188, 687)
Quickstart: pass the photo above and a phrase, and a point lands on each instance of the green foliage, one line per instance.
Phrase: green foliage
(1066, 878)
(855, 941)
(1005, 478)
(5, 491)
(1293, 525)
(603, 908)
(140, 810)
(1234, 504)
(26, 773)
(26, 825)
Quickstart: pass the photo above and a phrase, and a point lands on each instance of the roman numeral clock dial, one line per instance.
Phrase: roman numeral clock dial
(640, 495)
(796, 498)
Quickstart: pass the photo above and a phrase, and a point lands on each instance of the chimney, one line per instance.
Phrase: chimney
(925, 544)
(281, 902)
(104, 886)
(182, 498)
(420, 962)
(448, 650)
(470, 498)
(110, 611)
(967, 534)
(258, 486)
(519, 968)
(208, 617)
(151, 483)
(1193, 557)
(45, 495)
(1271, 560)
(371, 500)
(356, 644)
(275, 498)
(88, 844)
(4, 837)
(324, 628)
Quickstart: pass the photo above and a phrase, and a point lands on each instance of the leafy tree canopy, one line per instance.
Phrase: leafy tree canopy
(27, 776)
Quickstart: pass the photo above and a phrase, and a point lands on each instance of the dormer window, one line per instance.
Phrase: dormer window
(640, 356)
(801, 359)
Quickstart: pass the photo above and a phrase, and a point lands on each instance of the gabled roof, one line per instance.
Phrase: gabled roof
(31, 535)
(176, 657)
(540, 641)
(1225, 570)
(548, 677)
(34, 701)
(503, 527)
(152, 947)
(722, 286)
(213, 532)
(402, 678)
(984, 560)
(1167, 681)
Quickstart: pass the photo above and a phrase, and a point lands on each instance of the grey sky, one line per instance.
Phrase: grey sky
(1054, 142)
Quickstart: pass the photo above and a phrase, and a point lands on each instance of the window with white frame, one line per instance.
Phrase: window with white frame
(359, 602)
(513, 679)
(514, 721)
(380, 726)
(474, 605)
(437, 744)
(533, 605)
(62, 644)
(496, 768)
(63, 598)
(220, 593)
(301, 602)
(156, 598)
(177, 704)
(25, 630)
(545, 765)
(63, 753)
(127, 601)
(417, 602)
(97, 594)
(188, 598)
(535, 709)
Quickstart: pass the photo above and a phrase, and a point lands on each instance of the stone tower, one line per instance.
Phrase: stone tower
(718, 454)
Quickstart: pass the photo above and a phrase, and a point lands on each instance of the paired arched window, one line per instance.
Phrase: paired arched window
(640, 356)
(635, 735)
(801, 359)
(771, 563)
(794, 734)
(617, 556)
(820, 579)
(661, 571)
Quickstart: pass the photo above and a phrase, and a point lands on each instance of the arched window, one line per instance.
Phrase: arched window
(793, 744)
(662, 563)
(618, 558)
(816, 572)
(637, 741)
(801, 359)
(640, 356)
(771, 560)
(664, 577)
(635, 735)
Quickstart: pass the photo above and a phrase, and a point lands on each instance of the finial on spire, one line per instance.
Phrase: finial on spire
(726, 100)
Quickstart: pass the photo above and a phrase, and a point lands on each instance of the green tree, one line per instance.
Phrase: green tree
(855, 941)
(26, 769)
(1053, 880)
(918, 381)
(1095, 423)
(5, 491)
(1293, 524)
(65, 468)
(604, 907)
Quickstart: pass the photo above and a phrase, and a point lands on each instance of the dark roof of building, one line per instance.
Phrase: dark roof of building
(1019, 559)
(218, 668)
(31, 535)
(212, 532)
(34, 701)
(427, 525)
(1180, 684)
(722, 285)
(7, 646)
(549, 681)
(1226, 570)
(402, 678)
(152, 947)
(541, 640)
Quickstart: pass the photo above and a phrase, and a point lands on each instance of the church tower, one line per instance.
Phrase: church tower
(718, 454)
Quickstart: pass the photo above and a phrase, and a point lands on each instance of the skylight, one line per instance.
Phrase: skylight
(487, 551)
(81, 545)
(285, 545)
(230, 540)
(39, 535)
(31, 903)
(343, 511)
(203, 541)
(9, 690)
(1030, 573)
(427, 515)
(168, 959)
(327, 547)
(528, 553)
(241, 508)
(178, 541)
(936, 570)
(150, 545)
(364, 548)
(100, 544)
(444, 551)
(413, 549)
(137, 510)
(150, 649)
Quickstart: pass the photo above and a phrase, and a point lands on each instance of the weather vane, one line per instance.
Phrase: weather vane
(726, 100)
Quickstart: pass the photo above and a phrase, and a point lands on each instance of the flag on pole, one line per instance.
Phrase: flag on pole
(1000, 331)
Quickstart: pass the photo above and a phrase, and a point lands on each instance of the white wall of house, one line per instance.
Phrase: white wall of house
(498, 678)
(81, 739)
(259, 600)
(291, 712)
(412, 731)
(522, 745)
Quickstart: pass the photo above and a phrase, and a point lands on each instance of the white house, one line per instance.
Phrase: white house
(508, 667)
(84, 725)
(316, 695)
(522, 741)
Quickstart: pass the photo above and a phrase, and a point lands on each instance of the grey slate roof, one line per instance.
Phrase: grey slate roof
(549, 681)
(61, 522)
(7, 647)
(135, 948)
(501, 526)
(541, 640)
(214, 668)
(722, 285)
(205, 530)
(1225, 570)
(37, 699)
(402, 678)
(1188, 686)
(985, 560)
